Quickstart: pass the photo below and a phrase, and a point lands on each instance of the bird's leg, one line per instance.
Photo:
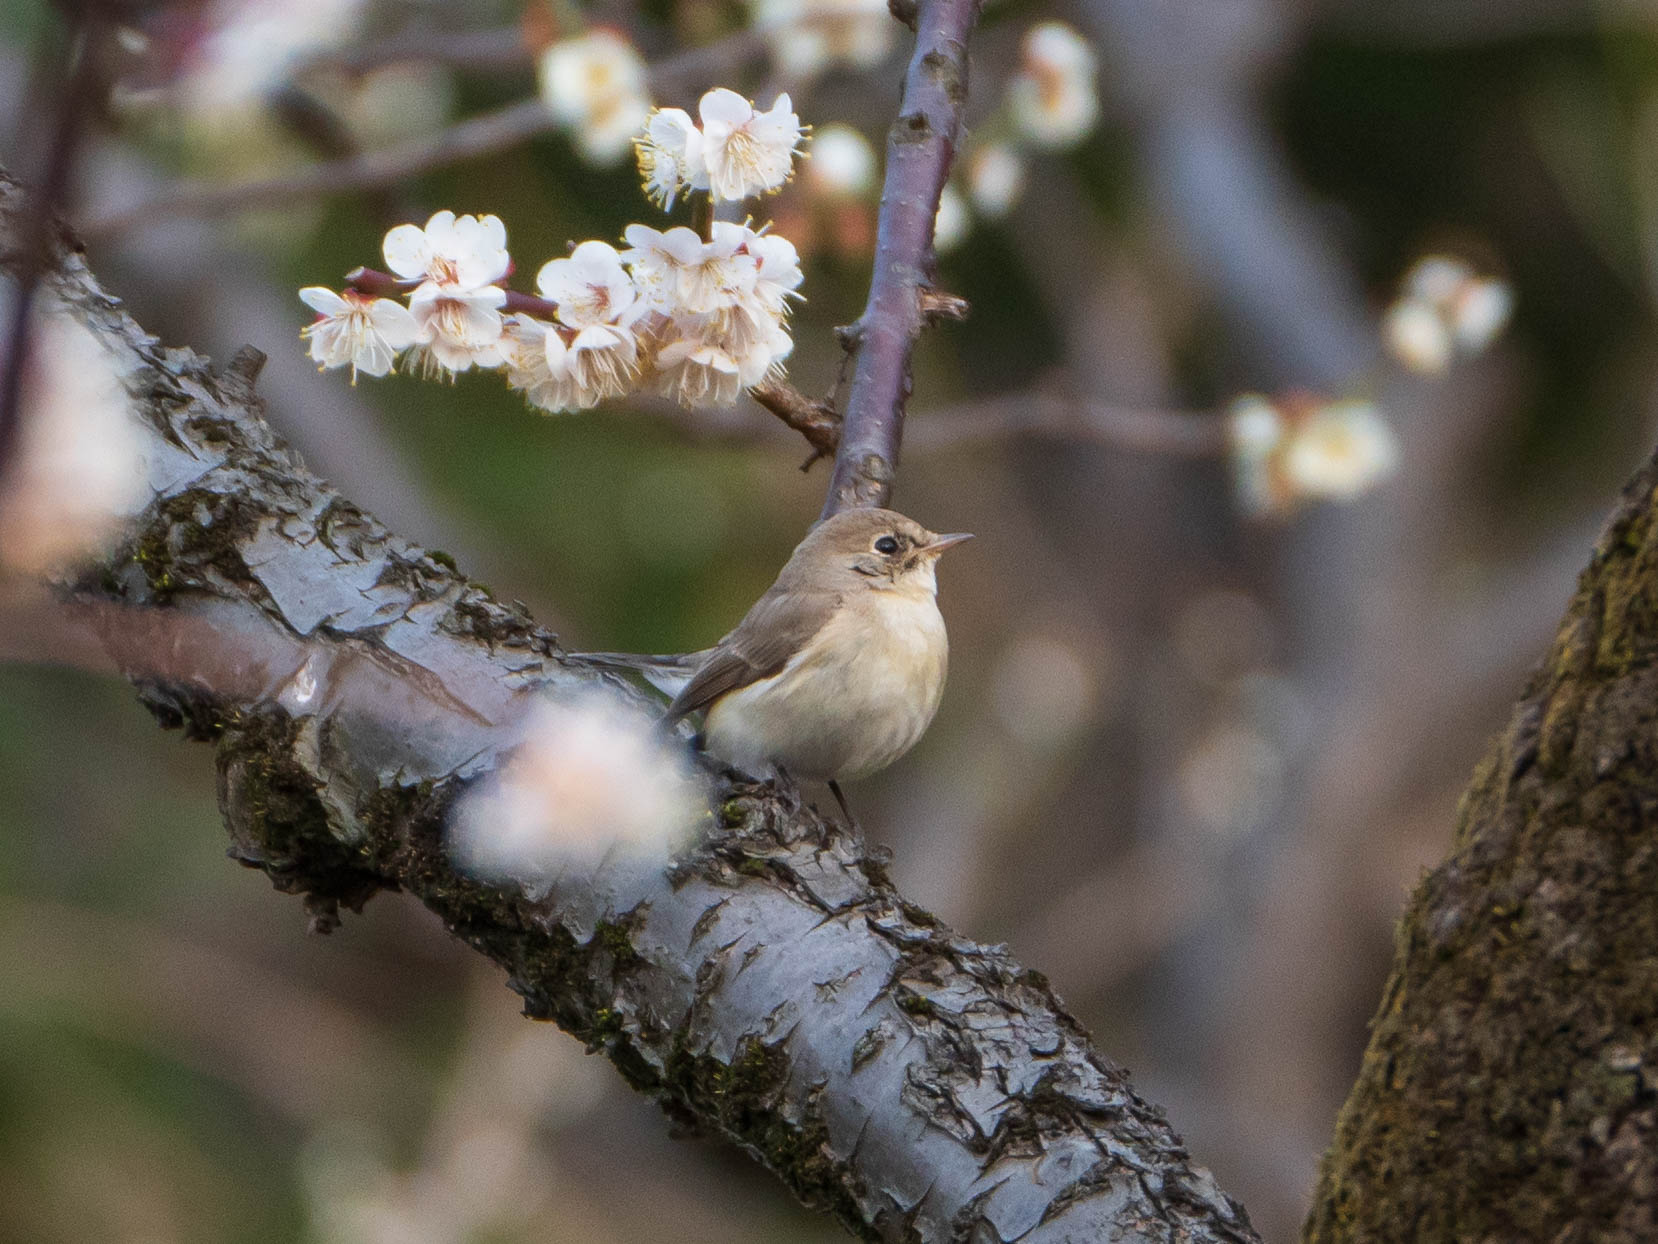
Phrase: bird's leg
(788, 787)
(846, 810)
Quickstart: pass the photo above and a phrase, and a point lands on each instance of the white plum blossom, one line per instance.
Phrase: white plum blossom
(995, 179)
(597, 305)
(953, 222)
(593, 777)
(595, 85)
(78, 465)
(451, 253)
(1444, 310)
(1417, 335)
(842, 164)
(1255, 432)
(698, 373)
(456, 305)
(746, 151)
(670, 156)
(356, 330)
(523, 350)
(1341, 451)
(1053, 99)
(590, 287)
(1479, 311)
(1302, 448)
(808, 36)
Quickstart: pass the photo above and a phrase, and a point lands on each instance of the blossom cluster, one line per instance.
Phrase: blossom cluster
(1301, 448)
(1444, 311)
(696, 317)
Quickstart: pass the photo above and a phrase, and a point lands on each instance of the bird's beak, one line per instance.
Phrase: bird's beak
(938, 544)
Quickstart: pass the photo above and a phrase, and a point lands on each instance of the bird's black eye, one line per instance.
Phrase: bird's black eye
(887, 545)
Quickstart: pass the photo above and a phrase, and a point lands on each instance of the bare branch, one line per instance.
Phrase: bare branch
(471, 139)
(771, 987)
(920, 147)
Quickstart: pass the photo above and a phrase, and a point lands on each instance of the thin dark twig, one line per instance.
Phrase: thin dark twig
(920, 147)
(80, 68)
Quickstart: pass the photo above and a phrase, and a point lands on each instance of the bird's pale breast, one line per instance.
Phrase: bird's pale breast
(852, 701)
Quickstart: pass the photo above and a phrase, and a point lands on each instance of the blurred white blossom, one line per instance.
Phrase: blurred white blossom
(245, 48)
(1418, 336)
(1444, 309)
(746, 151)
(1053, 98)
(77, 466)
(595, 85)
(809, 36)
(1341, 451)
(357, 330)
(995, 179)
(951, 225)
(592, 775)
(843, 164)
(1303, 448)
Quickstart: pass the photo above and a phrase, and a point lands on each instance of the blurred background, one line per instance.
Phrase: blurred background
(1204, 727)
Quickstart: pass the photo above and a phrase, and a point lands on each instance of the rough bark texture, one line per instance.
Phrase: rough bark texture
(1510, 1089)
(770, 987)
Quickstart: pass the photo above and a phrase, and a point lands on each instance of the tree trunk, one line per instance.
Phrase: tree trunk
(1508, 1091)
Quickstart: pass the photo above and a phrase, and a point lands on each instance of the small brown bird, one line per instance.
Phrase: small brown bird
(836, 671)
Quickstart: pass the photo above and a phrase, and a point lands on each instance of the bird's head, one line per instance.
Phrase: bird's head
(881, 548)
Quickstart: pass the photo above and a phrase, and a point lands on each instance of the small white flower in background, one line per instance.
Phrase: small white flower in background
(809, 36)
(595, 84)
(670, 156)
(746, 151)
(1479, 312)
(951, 225)
(1255, 431)
(1303, 448)
(995, 179)
(1054, 99)
(357, 330)
(593, 775)
(1341, 451)
(1418, 336)
(77, 469)
(842, 164)
(1444, 310)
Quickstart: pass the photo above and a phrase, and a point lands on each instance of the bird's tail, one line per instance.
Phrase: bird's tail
(668, 674)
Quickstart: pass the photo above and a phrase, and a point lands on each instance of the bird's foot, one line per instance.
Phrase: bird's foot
(856, 829)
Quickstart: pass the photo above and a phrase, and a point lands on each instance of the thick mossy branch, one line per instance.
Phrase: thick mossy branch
(1510, 1089)
(769, 986)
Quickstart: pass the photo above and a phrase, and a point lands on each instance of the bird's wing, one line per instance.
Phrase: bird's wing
(782, 622)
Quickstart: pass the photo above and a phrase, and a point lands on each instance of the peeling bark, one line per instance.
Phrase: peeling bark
(770, 987)
(1510, 1088)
